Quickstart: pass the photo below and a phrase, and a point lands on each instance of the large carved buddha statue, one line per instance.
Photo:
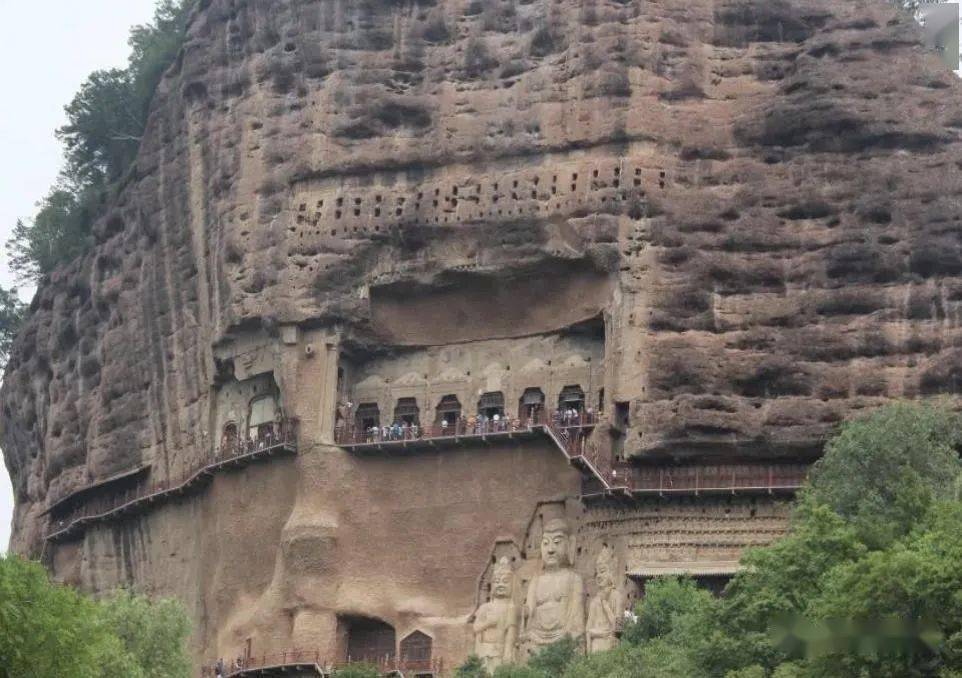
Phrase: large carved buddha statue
(496, 622)
(606, 610)
(554, 607)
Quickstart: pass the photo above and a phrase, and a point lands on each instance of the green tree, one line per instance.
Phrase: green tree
(667, 600)
(472, 668)
(58, 233)
(155, 633)
(107, 117)
(154, 46)
(917, 578)
(518, 671)
(12, 312)
(104, 129)
(655, 658)
(552, 659)
(50, 630)
(105, 123)
(358, 671)
(882, 472)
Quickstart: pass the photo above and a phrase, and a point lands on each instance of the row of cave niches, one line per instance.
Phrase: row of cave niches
(610, 190)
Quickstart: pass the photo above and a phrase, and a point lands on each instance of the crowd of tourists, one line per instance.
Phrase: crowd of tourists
(220, 668)
(458, 424)
(265, 436)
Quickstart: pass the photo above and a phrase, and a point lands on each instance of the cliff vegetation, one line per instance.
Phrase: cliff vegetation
(866, 583)
(51, 630)
(105, 124)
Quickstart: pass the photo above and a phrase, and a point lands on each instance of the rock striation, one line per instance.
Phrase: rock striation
(730, 224)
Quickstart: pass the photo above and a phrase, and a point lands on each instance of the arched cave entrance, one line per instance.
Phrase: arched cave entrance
(406, 412)
(491, 404)
(531, 405)
(367, 416)
(572, 398)
(369, 640)
(261, 417)
(229, 439)
(416, 651)
(448, 410)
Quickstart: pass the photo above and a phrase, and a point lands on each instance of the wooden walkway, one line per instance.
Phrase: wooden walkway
(570, 440)
(602, 477)
(293, 669)
(160, 494)
(296, 663)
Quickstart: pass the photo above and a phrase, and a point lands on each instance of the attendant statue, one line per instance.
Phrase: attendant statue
(605, 613)
(554, 607)
(496, 622)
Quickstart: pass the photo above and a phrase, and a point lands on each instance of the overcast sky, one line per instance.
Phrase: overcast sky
(47, 48)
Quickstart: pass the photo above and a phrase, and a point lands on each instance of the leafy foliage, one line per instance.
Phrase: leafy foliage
(105, 123)
(358, 671)
(12, 312)
(58, 233)
(552, 659)
(472, 668)
(661, 611)
(516, 671)
(549, 662)
(154, 632)
(50, 630)
(883, 471)
(107, 117)
(877, 537)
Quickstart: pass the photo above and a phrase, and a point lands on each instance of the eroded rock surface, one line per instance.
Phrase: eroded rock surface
(758, 200)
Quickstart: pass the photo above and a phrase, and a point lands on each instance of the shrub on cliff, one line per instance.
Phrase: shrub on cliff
(11, 317)
(875, 548)
(871, 569)
(105, 122)
(106, 119)
(882, 472)
(358, 671)
(154, 632)
(50, 630)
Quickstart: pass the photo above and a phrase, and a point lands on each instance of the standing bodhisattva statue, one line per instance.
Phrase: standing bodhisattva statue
(554, 607)
(606, 611)
(496, 622)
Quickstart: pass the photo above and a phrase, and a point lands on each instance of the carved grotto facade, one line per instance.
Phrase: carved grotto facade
(496, 465)
(398, 292)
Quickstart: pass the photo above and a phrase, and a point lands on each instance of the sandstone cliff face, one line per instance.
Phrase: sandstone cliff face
(760, 199)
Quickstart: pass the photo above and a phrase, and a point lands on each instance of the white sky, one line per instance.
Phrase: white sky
(47, 48)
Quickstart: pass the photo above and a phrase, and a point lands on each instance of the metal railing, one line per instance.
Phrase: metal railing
(571, 432)
(694, 479)
(461, 427)
(316, 659)
(283, 435)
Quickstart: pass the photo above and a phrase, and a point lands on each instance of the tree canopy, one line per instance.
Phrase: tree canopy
(50, 630)
(868, 581)
(105, 123)
(12, 311)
